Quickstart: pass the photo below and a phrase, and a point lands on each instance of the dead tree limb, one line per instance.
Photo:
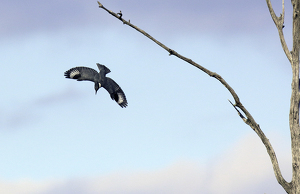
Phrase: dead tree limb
(248, 119)
(293, 57)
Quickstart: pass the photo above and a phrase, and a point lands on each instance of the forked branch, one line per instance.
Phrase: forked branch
(279, 22)
(248, 119)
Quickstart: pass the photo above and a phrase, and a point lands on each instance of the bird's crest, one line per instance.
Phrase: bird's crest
(103, 68)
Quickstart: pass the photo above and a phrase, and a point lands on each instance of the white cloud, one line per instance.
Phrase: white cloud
(24, 186)
(243, 169)
(247, 163)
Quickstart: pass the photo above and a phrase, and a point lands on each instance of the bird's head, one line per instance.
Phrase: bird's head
(97, 86)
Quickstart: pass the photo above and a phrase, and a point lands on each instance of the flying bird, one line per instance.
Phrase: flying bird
(100, 80)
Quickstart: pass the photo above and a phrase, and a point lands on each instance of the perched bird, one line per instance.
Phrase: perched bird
(100, 80)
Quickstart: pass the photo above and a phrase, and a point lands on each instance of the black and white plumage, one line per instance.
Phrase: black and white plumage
(100, 80)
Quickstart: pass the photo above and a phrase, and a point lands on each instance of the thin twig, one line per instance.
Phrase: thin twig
(279, 22)
(240, 114)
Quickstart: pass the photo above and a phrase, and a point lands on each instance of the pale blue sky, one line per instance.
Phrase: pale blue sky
(57, 132)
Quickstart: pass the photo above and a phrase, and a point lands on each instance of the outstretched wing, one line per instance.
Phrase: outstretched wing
(103, 68)
(81, 73)
(115, 91)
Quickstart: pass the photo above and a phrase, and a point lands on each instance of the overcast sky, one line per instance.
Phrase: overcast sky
(179, 134)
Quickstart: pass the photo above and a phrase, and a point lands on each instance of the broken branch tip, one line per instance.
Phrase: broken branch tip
(100, 5)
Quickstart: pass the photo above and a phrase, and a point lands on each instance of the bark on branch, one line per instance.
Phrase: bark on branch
(247, 118)
(294, 107)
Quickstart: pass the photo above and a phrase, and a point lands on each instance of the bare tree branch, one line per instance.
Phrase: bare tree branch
(293, 56)
(172, 52)
(248, 119)
(294, 107)
(279, 22)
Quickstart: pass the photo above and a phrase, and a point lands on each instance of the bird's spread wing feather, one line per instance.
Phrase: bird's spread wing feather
(115, 91)
(81, 73)
(103, 68)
